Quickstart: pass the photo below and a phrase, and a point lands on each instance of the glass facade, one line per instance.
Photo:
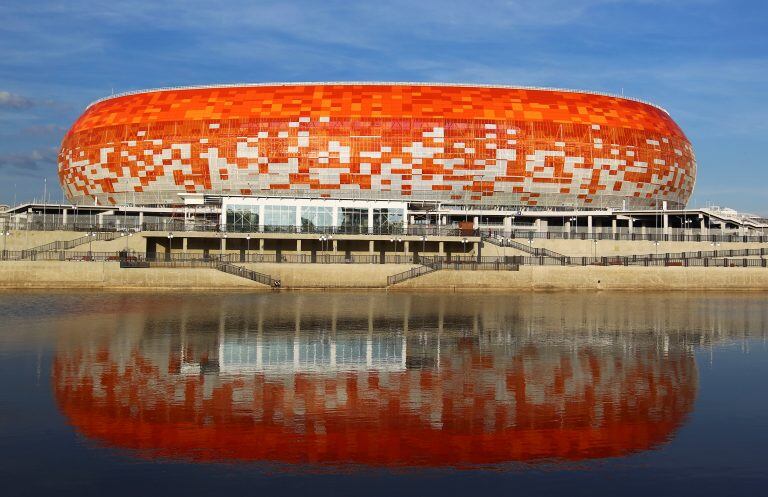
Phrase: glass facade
(316, 217)
(243, 217)
(279, 215)
(387, 220)
(353, 220)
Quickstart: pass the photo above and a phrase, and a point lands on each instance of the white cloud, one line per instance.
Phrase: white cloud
(14, 101)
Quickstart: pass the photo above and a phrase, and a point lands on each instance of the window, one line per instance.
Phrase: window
(243, 217)
(388, 220)
(313, 217)
(353, 220)
(279, 215)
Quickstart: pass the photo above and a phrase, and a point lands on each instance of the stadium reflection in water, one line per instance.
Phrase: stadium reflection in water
(398, 380)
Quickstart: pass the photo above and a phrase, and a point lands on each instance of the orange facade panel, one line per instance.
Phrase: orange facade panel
(429, 142)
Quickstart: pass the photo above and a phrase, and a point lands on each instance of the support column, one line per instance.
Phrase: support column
(335, 246)
(223, 245)
(64, 216)
(631, 225)
(370, 220)
(613, 226)
(141, 219)
(371, 247)
(406, 247)
(261, 245)
(298, 246)
(184, 244)
(441, 249)
(665, 222)
(703, 226)
(589, 224)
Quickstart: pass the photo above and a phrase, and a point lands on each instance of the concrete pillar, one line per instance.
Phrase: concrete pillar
(261, 245)
(261, 218)
(335, 246)
(589, 224)
(370, 220)
(507, 225)
(613, 225)
(298, 246)
(543, 225)
(184, 244)
(703, 225)
(141, 218)
(406, 247)
(476, 222)
(223, 244)
(665, 222)
(631, 225)
(64, 216)
(371, 246)
(441, 249)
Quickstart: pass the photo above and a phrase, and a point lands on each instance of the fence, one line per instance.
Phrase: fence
(720, 258)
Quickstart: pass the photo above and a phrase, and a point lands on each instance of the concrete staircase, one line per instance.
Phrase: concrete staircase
(224, 267)
(68, 244)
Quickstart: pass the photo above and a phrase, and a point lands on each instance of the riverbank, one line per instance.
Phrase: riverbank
(109, 275)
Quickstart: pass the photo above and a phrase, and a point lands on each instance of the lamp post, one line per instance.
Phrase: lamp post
(170, 245)
(656, 243)
(6, 234)
(594, 243)
(247, 245)
(576, 220)
(91, 236)
(463, 246)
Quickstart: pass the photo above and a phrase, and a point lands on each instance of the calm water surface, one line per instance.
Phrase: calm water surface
(383, 394)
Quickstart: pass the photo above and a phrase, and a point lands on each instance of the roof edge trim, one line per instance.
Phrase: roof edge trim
(372, 83)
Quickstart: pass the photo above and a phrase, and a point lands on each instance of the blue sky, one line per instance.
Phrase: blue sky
(706, 61)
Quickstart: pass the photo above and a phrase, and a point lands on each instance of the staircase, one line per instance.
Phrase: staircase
(242, 272)
(536, 252)
(68, 244)
(410, 274)
(224, 267)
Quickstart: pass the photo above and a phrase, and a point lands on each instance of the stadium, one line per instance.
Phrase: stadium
(408, 142)
(379, 172)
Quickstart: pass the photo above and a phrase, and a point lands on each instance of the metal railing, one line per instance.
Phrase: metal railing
(536, 251)
(409, 274)
(671, 235)
(248, 274)
(68, 244)
(719, 258)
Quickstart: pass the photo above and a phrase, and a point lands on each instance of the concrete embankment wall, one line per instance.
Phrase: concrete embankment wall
(606, 248)
(330, 275)
(106, 275)
(595, 278)
(109, 275)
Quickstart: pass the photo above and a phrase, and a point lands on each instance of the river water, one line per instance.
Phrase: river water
(383, 394)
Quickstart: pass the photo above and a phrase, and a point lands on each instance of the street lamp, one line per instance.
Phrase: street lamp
(594, 243)
(170, 244)
(6, 234)
(247, 245)
(464, 246)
